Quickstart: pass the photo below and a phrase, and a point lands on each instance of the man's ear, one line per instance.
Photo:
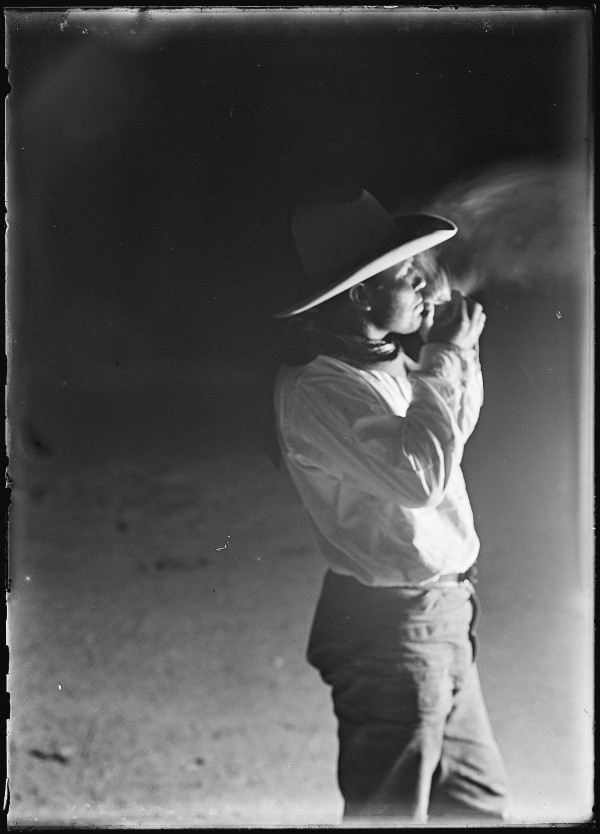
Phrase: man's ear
(360, 295)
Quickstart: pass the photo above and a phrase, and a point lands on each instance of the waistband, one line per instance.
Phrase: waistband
(348, 588)
(467, 579)
(451, 579)
(446, 579)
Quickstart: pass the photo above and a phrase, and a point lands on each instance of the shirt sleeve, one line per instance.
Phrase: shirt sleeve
(468, 385)
(473, 390)
(341, 425)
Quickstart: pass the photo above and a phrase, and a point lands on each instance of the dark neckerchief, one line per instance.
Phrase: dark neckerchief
(304, 341)
(358, 350)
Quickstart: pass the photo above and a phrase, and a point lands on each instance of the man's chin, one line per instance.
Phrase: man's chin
(409, 329)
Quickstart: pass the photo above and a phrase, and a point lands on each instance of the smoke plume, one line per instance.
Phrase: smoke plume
(521, 224)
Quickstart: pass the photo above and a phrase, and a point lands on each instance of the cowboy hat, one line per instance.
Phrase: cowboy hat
(344, 236)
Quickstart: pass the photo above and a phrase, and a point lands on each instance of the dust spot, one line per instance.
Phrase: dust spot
(49, 756)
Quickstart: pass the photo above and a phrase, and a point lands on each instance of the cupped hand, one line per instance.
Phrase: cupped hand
(459, 322)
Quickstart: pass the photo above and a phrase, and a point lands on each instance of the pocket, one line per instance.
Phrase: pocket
(400, 691)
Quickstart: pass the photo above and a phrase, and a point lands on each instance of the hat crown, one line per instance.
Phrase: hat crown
(337, 228)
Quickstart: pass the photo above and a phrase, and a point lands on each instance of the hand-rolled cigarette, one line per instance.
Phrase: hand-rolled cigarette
(446, 310)
(438, 289)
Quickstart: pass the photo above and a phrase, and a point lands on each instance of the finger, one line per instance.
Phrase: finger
(478, 328)
(475, 309)
(478, 319)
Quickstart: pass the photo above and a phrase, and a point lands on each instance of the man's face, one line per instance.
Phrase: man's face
(396, 299)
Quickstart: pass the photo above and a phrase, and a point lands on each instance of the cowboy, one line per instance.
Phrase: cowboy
(373, 443)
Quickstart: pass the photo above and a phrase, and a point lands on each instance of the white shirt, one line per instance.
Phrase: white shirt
(376, 461)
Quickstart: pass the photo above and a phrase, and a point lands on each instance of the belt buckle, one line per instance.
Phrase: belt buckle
(469, 575)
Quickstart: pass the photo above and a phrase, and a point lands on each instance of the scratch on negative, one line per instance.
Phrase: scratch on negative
(529, 377)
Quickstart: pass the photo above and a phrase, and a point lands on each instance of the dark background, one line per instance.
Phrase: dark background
(155, 159)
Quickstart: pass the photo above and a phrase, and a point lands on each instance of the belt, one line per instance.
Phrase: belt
(455, 578)
(447, 580)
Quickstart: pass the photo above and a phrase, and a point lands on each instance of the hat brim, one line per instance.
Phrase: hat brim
(442, 230)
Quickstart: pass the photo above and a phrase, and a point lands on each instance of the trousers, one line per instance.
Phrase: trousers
(415, 740)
